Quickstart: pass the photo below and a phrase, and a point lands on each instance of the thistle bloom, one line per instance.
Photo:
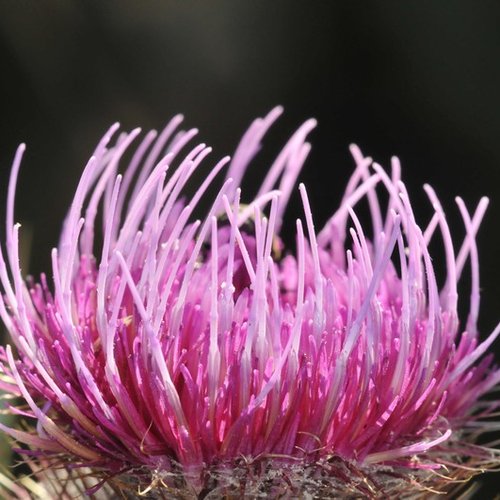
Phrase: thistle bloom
(195, 357)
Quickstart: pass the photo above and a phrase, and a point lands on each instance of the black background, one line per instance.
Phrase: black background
(419, 79)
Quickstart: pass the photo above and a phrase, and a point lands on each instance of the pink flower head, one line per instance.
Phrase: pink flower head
(201, 355)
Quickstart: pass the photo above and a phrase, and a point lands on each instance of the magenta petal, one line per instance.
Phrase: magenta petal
(182, 345)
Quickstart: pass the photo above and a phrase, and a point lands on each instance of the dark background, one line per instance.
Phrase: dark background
(419, 79)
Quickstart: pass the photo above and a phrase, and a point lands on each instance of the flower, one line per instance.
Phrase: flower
(201, 356)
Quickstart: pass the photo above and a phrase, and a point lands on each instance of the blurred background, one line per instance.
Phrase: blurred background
(418, 79)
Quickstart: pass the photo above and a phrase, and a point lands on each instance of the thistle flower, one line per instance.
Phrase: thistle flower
(186, 357)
